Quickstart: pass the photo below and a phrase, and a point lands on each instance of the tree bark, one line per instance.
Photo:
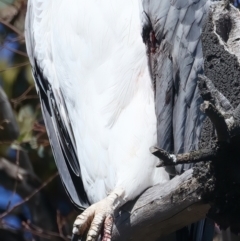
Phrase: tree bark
(162, 210)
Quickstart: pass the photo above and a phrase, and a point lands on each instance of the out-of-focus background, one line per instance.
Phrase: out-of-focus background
(26, 161)
(33, 203)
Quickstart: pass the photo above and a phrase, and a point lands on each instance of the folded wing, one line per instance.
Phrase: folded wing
(56, 119)
(175, 66)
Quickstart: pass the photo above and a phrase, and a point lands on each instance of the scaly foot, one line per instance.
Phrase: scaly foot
(98, 218)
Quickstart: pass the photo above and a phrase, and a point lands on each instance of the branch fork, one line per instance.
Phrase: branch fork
(224, 118)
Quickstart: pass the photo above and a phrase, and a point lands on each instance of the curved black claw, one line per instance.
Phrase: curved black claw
(167, 159)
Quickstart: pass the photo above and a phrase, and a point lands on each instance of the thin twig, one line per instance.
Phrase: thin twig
(30, 196)
(33, 227)
(15, 66)
(13, 40)
(14, 29)
(15, 51)
(33, 230)
(24, 96)
(11, 228)
(39, 127)
(16, 182)
(60, 224)
(5, 142)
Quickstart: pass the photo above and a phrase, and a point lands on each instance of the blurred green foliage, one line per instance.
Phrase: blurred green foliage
(17, 82)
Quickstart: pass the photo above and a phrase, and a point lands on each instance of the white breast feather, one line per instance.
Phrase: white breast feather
(92, 50)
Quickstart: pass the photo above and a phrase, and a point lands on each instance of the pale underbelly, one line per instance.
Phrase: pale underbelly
(118, 155)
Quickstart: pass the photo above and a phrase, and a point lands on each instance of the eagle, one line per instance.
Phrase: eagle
(115, 78)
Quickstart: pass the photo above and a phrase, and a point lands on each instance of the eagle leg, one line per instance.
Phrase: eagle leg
(98, 218)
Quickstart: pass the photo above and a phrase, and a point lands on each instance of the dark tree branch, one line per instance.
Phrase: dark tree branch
(162, 209)
(218, 121)
(191, 157)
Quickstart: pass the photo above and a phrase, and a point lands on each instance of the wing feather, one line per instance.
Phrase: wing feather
(177, 25)
(56, 120)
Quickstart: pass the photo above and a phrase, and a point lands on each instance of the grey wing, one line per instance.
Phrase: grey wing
(58, 126)
(175, 65)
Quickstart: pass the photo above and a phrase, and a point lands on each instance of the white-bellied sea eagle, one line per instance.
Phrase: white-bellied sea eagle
(115, 77)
